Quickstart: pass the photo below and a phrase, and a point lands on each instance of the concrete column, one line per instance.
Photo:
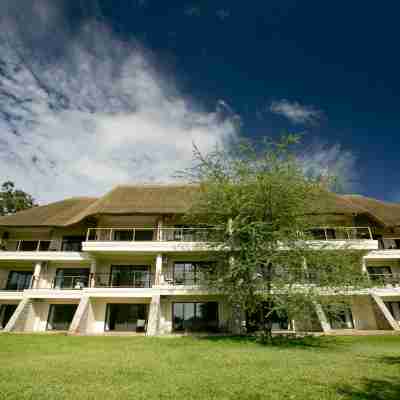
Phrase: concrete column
(78, 322)
(158, 275)
(154, 316)
(159, 228)
(364, 266)
(93, 266)
(323, 320)
(36, 275)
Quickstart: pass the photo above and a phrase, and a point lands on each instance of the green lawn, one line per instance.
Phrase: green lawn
(62, 367)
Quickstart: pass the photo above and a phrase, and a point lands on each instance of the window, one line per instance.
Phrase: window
(191, 273)
(126, 317)
(341, 318)
(130, 276)
(71, 278)
(195, 317)
(19, 280)
(60, 316)
(6, 312)
(72, 243)
(380, 274)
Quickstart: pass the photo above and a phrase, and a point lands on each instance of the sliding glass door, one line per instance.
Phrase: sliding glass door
(19, 280)
(126, 317)
(6, 312)
(60, 316)
(195, 317)
(137, 276)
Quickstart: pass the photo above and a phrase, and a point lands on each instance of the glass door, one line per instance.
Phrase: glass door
(6, 312)
(136, 276)
(126, 317)
(60, 316)
(19, 280)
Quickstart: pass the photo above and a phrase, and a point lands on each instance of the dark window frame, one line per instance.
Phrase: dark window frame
(195, 309)
(19, 272)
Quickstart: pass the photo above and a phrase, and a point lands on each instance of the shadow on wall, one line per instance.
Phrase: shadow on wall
(372, 389)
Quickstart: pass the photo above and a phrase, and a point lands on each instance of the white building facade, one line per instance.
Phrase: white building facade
(124, 263)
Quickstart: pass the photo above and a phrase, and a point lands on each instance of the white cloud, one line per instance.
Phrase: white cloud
(326, 160)
(80, 120)
(296, 112)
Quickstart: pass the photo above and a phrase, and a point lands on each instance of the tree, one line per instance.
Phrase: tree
(260, 203)
(13, 200)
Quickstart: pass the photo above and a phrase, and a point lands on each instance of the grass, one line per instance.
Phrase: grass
(78, 368)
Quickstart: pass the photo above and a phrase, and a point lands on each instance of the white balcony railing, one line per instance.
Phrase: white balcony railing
(194, 234)
(148, 234)
(40, 245)
(342, 233)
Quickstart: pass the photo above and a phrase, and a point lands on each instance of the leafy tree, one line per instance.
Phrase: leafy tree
(260, 203)
(13, 200)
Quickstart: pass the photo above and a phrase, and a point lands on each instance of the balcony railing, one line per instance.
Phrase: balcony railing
(341, 233)
(137, 279)
(149, 234)
(385, 279)
(71, 282)
(389, 244)
(40, 245)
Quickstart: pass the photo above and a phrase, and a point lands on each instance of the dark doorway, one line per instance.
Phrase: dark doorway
(6, 312)
(19, 280)
(60, 316)
(126, 317)
(195, 317)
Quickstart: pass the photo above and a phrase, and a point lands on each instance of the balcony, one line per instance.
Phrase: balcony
(123, 280)
(342, 237)
(40, 245)
(146, 239)
(41, 250)
(387, 279)
(341, 233)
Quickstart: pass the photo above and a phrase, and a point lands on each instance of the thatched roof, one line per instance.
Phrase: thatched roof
(55, 214)
(175, 199)
(387, 213)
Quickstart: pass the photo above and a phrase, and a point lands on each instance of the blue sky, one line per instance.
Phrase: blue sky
(139, 76)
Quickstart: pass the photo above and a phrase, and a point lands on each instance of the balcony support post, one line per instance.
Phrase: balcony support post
(36, 275)
(158, 274)
(93, 266)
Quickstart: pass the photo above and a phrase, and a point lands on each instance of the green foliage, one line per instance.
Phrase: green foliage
(259, 201)
(13, 200)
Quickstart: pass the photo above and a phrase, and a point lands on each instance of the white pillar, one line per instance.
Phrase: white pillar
(36, 275)
(154, 316)
(159, 229)
(158, 275)
(323, 320)
(93, 266)
(364, 266)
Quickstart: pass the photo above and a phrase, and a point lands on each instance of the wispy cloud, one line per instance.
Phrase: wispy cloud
(82, 111)
(296, 112)
(327, 160)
